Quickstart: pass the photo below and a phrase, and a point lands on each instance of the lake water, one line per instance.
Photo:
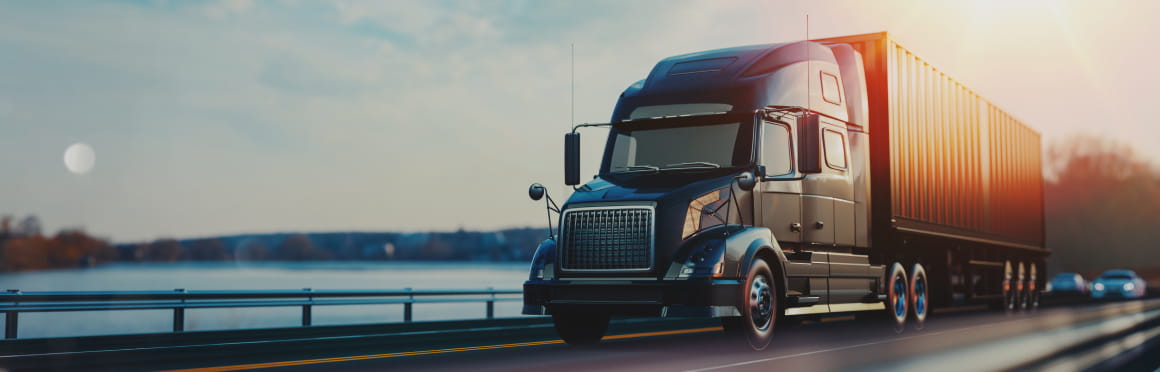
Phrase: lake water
(261, 276)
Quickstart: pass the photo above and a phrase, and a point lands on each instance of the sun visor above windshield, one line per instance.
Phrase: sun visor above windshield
(679, 109)
(741, 78)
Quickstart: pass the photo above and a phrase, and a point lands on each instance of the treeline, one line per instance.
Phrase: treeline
(1102, 207)
(22, 247)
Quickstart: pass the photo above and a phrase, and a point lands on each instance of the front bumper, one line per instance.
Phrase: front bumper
(664, 298)
(1115, 295)
(1065, 293)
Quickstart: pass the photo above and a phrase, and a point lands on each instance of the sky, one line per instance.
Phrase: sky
(221, 117)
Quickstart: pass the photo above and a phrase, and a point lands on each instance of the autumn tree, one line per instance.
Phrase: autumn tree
(24, 253)
(1102, 206)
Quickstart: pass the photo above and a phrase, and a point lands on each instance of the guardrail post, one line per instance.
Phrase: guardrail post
(179, 314)
(11, 319)
(306, 308)
(407, 306)
(491, 303)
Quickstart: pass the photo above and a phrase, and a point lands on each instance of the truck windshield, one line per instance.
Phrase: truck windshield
(657, 147)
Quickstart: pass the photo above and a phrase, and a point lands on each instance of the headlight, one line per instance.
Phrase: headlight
(706, 211)
(1048, 287)
(1098, 286)
(543, 260)
(705, 261)
(1129, 286)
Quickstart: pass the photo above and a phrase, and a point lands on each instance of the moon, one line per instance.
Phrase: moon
(79, 158)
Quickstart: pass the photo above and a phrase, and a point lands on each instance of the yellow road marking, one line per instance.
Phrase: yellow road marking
(663, 333)
(290, 363)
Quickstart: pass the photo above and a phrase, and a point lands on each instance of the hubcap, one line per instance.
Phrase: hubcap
(760, 303)
(898, 297)
(920, 295)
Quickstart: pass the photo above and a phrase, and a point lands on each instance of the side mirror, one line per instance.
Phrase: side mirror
(572, 159)
(746, 181)
(536, 191)
(809, 144)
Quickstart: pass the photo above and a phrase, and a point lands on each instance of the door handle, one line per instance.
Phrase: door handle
(819, 225)
(795, 227)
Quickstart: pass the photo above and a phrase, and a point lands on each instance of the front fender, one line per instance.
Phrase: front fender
(544, 261)
(753, 242)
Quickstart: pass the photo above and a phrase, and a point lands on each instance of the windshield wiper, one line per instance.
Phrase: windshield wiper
(639, 168)
(693, 164)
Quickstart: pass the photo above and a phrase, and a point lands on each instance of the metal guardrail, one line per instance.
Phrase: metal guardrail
(13, 302)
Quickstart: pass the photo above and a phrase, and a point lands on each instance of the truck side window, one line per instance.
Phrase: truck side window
(830, 90)
(777, 150)
(835, 149)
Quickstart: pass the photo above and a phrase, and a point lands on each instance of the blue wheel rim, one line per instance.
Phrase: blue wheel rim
(920, 296)
(900, 297)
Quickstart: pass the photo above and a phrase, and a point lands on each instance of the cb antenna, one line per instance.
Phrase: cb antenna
(809, 72)
(573, 104)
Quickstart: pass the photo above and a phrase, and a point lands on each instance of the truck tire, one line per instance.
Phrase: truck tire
(1009, 290)
(896, 296)
(581, 328)
(1032, 286)
(1021, 295)
(919, 295)
(759, 305)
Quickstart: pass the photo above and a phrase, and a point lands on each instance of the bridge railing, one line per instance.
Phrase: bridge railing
(13, 302)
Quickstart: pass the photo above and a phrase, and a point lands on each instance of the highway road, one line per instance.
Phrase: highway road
(1062, 338)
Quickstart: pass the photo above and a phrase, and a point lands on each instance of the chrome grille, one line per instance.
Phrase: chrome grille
(607, 239)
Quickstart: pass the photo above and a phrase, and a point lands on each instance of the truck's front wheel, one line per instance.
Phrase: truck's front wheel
(581, 328)
(759, 308)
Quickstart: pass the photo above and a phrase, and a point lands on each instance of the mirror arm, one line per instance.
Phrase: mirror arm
(552, 207)
(587, 125)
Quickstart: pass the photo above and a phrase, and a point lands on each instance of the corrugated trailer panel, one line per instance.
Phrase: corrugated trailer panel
(957, 164)
(1015, 178)
(935, 177)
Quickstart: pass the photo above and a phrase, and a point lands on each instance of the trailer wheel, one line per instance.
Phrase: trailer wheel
(1009, 291)
(919, 295)
(896, 296)
(581, 328)
(1032, 287)
(759, 302)
(1021, 287)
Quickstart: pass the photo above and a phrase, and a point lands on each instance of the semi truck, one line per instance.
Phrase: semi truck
(769, 183)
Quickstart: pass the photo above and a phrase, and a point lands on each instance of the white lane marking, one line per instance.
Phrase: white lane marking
(840, 348)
